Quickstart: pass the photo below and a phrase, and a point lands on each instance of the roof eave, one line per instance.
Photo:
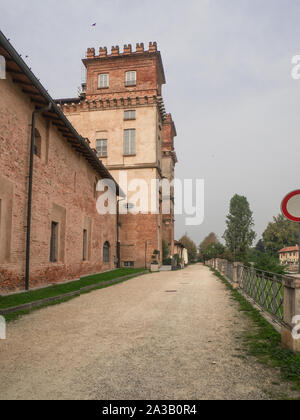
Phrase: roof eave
(103, 172)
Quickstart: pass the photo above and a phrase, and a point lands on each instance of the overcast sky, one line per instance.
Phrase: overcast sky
(229, 85)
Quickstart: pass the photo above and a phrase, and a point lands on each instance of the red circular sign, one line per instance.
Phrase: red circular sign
(290, 206)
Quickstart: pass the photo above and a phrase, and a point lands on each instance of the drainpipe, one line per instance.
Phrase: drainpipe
(29, 201)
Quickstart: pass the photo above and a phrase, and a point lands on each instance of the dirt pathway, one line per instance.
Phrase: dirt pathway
(159, 336)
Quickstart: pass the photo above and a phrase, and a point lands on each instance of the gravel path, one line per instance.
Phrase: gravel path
(136, 341)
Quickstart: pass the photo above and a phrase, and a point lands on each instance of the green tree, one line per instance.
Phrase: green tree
(239, 234)
(279, 234)
(266, 262)
(209, 240)
(257, 250)
(210, 248)
(214, 250)
(191, 248)
(260, 246)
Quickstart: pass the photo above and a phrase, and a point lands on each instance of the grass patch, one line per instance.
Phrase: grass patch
(60, 289)
(265, 342)
(15, 315)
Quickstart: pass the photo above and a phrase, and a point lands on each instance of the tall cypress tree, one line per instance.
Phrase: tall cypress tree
(239, 235)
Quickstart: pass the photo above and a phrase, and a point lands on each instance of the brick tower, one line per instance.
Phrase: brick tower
(121, 112)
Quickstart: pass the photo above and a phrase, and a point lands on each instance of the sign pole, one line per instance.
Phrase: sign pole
(299, 249)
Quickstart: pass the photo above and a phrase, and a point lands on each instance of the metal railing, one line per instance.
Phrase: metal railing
(278, 296)
(265, 289)
(229, 271)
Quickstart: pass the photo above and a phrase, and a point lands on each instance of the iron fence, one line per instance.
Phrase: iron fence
(219, 265)
(229, 270)
(265, 289)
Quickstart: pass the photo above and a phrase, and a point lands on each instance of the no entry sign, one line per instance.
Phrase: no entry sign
(290, 206)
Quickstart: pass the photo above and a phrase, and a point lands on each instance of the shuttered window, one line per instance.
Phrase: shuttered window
(129, 142)
(130, 78)
(103, 81)
(129, 115)
(101, 147)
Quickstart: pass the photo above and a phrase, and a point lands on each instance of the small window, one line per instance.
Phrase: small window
(101, 147)
(129, 206)
(129, 142)
(106, 252)
(130, 78)
(129, 264)
(129, 115)
(54, 242)
(103, 81)
(85, 243)
(37, 143)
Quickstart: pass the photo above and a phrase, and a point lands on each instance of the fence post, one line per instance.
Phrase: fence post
(222, 267)
(291, 304)
(240, 274)
(235, 278)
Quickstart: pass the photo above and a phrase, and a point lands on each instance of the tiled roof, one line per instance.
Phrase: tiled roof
(289, 249)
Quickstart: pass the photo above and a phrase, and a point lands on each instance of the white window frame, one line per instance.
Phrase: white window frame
(130, 142)
(130, 78)
(103, 80)
(131, 113)
(102, 150)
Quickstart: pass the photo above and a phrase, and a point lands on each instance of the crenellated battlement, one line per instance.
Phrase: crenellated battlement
(127, 50)
(168, 118)
(90, 53)
(102, 52)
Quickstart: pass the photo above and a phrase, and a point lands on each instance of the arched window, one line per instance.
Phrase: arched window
(106, 252)
(38, 143)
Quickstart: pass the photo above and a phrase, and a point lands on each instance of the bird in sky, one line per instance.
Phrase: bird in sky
(94, 24)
